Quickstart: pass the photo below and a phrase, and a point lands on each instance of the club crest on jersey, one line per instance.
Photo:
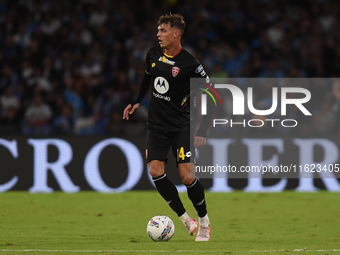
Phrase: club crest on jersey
(175, 71)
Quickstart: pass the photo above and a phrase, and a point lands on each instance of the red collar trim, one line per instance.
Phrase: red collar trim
(174, 55)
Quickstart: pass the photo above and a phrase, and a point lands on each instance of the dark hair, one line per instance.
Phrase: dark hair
(175, 20)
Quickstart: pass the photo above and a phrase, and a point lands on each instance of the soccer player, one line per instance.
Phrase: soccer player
(169, 68)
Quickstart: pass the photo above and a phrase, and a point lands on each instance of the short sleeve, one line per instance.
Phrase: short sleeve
(199, 72)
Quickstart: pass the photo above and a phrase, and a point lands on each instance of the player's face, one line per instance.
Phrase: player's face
(166, 35)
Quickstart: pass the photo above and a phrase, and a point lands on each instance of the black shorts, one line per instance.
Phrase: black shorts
(158, 143)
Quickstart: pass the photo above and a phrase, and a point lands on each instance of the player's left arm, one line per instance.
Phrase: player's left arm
(201, 134)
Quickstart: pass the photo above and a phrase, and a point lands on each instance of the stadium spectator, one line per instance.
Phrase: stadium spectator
(64, 123)
(116, 125)
(108, 102)
(9, 100)
(78, 48)
(37, 117)
(10, 123)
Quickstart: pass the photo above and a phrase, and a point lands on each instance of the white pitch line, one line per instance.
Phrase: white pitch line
(149, 251)
(118, 251)
(296, 250)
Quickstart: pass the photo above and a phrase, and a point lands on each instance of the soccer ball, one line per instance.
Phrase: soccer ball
(160, 228)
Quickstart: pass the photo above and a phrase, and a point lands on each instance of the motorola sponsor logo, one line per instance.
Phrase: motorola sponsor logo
(166, 98)
(161, 85)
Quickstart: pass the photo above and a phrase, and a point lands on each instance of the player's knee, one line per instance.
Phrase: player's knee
(156, 171)
(187, 180)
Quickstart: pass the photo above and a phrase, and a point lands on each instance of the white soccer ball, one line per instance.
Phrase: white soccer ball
(160, 228)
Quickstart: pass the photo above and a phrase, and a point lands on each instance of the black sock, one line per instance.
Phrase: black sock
(169, 192)
(196, 195)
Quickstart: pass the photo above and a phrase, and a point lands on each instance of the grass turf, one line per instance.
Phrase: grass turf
(94, 223)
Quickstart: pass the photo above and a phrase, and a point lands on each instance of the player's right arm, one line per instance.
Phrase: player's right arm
(144, 87)
(129, 110)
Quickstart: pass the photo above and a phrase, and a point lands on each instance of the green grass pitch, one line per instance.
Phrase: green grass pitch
(242, 223)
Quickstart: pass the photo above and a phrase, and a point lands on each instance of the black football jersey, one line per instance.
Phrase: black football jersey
(170, 88)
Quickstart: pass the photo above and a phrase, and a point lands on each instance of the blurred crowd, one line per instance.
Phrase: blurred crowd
(71, 67)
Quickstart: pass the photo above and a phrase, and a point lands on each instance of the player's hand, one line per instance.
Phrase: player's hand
(129, 110)
(200, 142)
